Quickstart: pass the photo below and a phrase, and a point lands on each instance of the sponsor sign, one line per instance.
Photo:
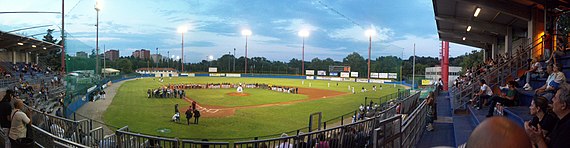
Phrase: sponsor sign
(336, 79)
(217, 75)
(322, 73)
(212, 69)
(426, 82)
(392, 75)
(348, 79)
(383, 75)
(344, 74)
(333, 74)
(323, 78)
(362, 80)
(310, 77)
(310, 72)
(374, 75)
(353, 74)
(379, 81)
(233, 75)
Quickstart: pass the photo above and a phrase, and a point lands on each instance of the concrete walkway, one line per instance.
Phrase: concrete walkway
(95, 110)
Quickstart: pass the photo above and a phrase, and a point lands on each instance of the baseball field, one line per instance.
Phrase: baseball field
(224, 116)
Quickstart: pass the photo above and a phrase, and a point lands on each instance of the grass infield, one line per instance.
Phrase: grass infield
(149, 116)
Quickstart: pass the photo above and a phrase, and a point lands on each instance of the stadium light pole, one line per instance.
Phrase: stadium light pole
(303, 34)
(246, 32)
(97, 9)
(369, 33)
(182, 30)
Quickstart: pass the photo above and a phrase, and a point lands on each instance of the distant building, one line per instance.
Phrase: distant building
(112, 55)
(434, 73)
(156, 58)
(158, 72)
(81, 54)
(141, 54)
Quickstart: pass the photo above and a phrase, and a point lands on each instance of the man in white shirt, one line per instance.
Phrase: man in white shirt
(19, 120)
(484, 93)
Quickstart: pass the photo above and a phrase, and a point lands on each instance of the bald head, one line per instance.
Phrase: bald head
(498, 132)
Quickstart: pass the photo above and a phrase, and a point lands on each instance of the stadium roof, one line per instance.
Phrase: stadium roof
(19, 43)
(453, 18)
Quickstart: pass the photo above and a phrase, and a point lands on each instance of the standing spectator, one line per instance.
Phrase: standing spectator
(484, 93)
(193, 105)
(188, 115)
(196, 116)
(18, 126)
(5, 110)
(430, 101)
(103, 94)
(285, 142)
(176, 109)
(560, 135)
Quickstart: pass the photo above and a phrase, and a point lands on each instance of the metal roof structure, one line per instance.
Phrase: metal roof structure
(19, 43)
(495, 18)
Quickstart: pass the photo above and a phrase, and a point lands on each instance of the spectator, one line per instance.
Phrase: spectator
(176, 109)
(196, 116)
(322, 143)
(534, 71)
(193, 105)
(553, 82)
(18, 128)
(508, 99)
(498, 132)
(543, 115)
(5, 110)
(484, 93)
(560, 135)
(285, 142)
(430, 101)
(188, 115)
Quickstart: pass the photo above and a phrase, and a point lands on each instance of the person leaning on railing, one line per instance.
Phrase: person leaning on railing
(19, 122)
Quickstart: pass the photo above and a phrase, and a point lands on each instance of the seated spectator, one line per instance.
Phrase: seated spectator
(553, 82)
(560, 135)
(534, 71)
(505, 99)
(542, 115)
(285, 142)
(484, 93)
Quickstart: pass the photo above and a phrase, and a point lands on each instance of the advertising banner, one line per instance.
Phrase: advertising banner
(353, 74)
(212, 69)
(392, 75)
(309, 72)
(322, 73)
(383, 75)
(374, 75)
(344, 74)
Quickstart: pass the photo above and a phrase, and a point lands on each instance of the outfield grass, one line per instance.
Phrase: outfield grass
(220, 97)
(131, 107)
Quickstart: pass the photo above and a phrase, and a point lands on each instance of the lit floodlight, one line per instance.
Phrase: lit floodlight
(98, 5)
(468, 28)
(210, 57)
(303, 33)
(182, 29)
(33, 46)
(20, 44)
(464, 38)
(246, 32)
(370, 32)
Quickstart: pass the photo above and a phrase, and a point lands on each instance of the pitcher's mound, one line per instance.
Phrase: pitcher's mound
(237, 94)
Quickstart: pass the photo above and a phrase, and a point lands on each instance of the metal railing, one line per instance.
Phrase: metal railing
(394, 132)
(45, 139)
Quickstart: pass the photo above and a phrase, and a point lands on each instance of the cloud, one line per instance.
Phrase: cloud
(356, 34)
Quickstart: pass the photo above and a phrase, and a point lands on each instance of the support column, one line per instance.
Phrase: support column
(494, 51)
(37, 59)
(509, 42)
(14, 58)
(27, 58)
(445, 64)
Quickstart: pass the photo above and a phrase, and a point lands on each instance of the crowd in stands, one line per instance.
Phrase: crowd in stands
(550, 104)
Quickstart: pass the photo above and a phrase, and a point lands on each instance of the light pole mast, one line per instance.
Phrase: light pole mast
(246, 33)
(234, 60)
(303, 34)
(97, 69)
(369, 33)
